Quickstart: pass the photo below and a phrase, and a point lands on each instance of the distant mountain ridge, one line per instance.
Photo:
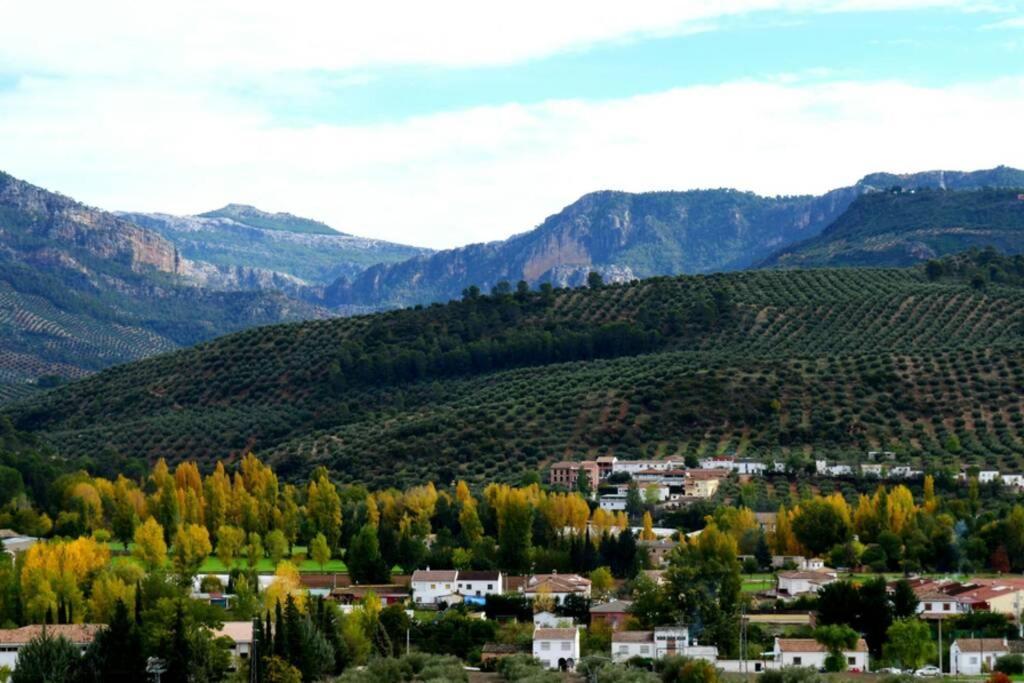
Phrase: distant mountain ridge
(626, 236)
(899, 228)
(82, 289)
(285, 222)
(239, 236)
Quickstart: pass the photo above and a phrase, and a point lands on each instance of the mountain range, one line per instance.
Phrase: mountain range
(82, 289)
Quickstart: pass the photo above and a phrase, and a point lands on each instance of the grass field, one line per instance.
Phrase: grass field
(213, 565)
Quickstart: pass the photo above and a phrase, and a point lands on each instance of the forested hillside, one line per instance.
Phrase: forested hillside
(829, 362)
(899, 228)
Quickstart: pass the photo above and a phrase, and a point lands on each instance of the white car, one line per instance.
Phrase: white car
(890, 670)
(928, 671)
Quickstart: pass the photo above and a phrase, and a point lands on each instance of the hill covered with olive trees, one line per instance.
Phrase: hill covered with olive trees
(762, 364)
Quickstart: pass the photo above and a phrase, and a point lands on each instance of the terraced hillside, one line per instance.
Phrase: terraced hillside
(757, 363)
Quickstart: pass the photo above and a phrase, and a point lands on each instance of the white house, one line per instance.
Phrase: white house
(904, 472)
(240, 633)
(986, 476)
(551, 620)
(429, 586)
(662, 642)
(557, 648)
(874, 469)
(975, 655)
(13, 639)
(613, 502)
(556, 586)
(937, 605)
(1015, 481)
(18, 544)
(809, 652)
(633, 466)
(802, 582)
(480, 583)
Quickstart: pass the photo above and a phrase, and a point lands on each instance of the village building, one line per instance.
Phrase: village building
(13, 639)
(792, 584)
(613, 502)
(565, 473)
(557, 648)
(556, 586)
(658, 551)
(430, 586)
(663, 641)
(479, 583)
(614, 613)
(240, 634)
(935, 604)
(808, 652)
(606, 465)
(551, 620)
(972, 656)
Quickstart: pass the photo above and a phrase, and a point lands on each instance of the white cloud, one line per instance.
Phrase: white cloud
(485, 173)
(198, 39)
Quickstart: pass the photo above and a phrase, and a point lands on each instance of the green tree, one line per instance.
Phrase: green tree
(836, 638)
(320, 551)
(364, 560)
(819, 526)
(651, 607)
(910, 643)
(904, 600)
(230, 540)
(116, 655)
(253, 550)
(704, 586)
(46, 659)
(276, 545)
(515, 535)
(634, 501)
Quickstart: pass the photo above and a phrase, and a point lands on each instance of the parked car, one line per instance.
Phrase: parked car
(928, 671)
(890, 670)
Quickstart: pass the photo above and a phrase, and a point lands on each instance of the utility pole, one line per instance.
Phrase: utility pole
(940, 643)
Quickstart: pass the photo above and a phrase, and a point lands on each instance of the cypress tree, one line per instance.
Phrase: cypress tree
(280, 644)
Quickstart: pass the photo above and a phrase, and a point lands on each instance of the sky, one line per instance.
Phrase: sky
(444, 123)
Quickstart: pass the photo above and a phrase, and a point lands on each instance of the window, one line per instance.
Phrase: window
(851, 660)
(974, 660)
(545, 646)
(623, 649)
(797, 661)
(433, 586)
(490, 586)
(565, 645)
(927, 607)
(946, 606)
(644, 649)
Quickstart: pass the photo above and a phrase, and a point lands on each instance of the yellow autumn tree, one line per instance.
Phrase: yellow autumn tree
(930, 503)
(217, 492)
(150, 548)
(900, 508)
(191, 546)
(648, 531)
(286, 582)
